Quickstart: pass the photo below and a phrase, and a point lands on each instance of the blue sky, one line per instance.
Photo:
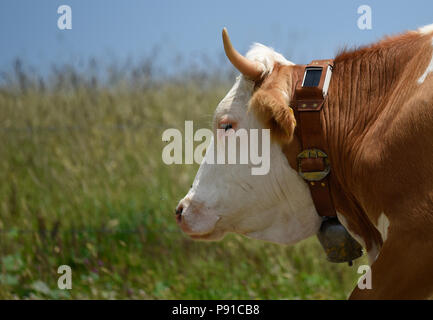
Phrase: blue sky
(114, 30)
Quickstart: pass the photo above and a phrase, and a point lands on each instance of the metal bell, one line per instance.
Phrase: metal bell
(337, 242)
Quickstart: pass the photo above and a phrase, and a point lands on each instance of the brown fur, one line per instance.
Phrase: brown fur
(378, 124)
(271, 106)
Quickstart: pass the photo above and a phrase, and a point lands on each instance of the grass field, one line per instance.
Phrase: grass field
(83, 184)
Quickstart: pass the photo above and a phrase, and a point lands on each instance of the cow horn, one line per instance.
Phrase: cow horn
(248, 68)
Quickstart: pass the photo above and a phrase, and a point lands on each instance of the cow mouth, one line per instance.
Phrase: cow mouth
(197, 236)
(211, 235)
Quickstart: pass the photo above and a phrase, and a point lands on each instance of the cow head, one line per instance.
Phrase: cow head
(275, 207)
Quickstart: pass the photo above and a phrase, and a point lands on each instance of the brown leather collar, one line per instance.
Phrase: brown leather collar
(313, 163)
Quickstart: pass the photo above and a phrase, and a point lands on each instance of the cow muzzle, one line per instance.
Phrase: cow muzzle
(194, 220)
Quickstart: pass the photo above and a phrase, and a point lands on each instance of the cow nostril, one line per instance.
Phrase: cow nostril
(179, 210)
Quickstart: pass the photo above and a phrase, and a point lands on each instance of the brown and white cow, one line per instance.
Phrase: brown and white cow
(378, 125)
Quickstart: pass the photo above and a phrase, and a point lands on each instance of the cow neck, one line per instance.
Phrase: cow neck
(362, 83)
(335, 144)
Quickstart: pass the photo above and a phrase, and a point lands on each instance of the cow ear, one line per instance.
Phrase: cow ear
(271, 108)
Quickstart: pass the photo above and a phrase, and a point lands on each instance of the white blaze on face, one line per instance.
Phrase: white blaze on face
(224, 198)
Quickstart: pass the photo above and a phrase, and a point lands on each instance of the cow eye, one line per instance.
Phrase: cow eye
(226, 126)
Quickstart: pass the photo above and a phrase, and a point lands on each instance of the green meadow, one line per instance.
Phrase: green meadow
(83, 184)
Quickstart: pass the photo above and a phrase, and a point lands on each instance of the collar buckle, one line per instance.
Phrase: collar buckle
(313, 164)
